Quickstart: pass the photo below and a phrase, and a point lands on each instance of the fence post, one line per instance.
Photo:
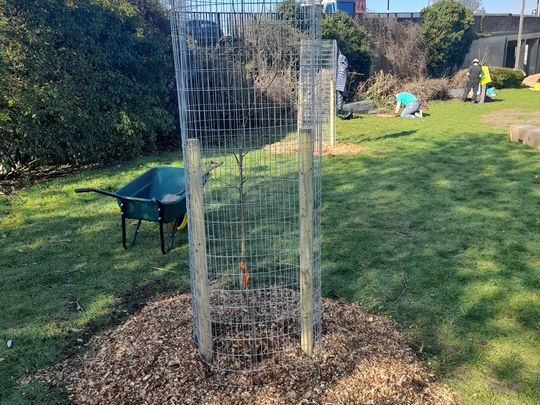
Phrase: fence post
(332, 117)
(483, 89)
(198, 237)
(305, 161)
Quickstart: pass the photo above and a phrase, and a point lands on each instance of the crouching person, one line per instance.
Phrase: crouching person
(411, 105)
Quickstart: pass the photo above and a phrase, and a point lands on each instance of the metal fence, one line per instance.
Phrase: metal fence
(250, 97)
(328, 88)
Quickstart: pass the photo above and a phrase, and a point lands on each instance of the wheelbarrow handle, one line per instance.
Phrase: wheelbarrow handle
(97, 190)
(214, 164)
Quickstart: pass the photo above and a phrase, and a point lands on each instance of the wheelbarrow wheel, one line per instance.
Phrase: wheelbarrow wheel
(183, 223)
(180, 224)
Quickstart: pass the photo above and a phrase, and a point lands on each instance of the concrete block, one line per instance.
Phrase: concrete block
(360, 107)
(526, 134)
(456, 93)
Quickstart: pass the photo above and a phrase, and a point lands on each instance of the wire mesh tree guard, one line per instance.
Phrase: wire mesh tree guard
(328, 88)
(249, 76)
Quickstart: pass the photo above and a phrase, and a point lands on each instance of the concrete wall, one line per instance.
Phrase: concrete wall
(483, 23)
(499, 50)
(505, 24)
(496, 46)
(490, 50)
(534, 56)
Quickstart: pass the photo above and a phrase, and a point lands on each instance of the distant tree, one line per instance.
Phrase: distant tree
(289, 10)
(446, 32)
(474, 5)
(351, 38)
(396, 47)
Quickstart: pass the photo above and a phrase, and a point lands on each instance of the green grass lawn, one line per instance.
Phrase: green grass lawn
(436, 225)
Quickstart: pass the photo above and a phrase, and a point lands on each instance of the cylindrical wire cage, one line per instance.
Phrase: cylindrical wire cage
(328, 88)
(249, 76)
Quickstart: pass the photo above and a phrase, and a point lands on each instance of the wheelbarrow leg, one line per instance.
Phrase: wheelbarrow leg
(161, 239)
(135, 233)
(123, 221)
(172, 235)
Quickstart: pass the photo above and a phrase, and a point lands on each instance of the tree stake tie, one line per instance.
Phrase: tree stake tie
(244, 268)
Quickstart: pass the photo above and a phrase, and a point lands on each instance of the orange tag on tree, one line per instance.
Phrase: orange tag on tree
(244, 268)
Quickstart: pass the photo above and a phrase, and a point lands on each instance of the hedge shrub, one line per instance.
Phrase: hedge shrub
(446, 29)
(83, 81)
(506, 77)
(351, 38)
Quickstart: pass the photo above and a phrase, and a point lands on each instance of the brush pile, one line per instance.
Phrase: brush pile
(459, 79)
(151, 359)
(381, 88)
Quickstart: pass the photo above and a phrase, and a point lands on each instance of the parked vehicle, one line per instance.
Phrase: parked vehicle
(351, 7)
(204, 32)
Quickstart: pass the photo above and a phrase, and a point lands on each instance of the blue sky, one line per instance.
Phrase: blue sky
(491, 6)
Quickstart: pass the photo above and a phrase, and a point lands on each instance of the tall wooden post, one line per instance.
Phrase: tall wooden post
(332, 112)
(300, 98)
(305, 161)
(483, 89)
(198, 247)
(517, 63)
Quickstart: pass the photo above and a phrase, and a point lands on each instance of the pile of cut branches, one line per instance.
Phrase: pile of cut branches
(382, 87)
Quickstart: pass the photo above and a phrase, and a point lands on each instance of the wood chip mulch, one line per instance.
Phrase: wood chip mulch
(151, 359)
(341, 148)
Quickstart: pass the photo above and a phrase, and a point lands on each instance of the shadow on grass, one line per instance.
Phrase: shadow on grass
(389, 136)
(444, 239)
(76, 281)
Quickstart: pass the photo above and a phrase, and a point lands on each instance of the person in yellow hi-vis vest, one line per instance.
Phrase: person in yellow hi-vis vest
(485, 79)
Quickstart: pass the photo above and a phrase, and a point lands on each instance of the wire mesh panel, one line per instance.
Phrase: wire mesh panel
(328, 88)
(249, 88)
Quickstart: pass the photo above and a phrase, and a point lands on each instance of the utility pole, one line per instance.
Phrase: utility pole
(520, 33)
(388, 8)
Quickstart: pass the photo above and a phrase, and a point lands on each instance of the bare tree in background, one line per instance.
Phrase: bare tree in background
(396, 47)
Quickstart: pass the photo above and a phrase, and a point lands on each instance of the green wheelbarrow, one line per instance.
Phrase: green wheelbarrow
(157, 195)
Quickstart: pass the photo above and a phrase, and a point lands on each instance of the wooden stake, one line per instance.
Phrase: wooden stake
(305, 157)
(198, 247)
(517, 62)
(332, 112)
(300, 119)
(483, 89)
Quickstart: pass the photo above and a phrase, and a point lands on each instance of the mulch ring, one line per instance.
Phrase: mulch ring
(341, 148)
(151, 359)
(509, 116)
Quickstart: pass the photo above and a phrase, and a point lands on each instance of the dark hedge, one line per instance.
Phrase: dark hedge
(84, 81)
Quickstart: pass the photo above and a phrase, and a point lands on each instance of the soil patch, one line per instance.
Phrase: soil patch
(151, 359)
(341, 148)
(509, 116)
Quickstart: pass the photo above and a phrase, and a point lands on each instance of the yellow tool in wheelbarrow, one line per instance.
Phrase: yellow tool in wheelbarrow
(183, 223)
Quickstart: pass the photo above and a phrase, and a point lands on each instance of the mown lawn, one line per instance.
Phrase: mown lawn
(436, 224)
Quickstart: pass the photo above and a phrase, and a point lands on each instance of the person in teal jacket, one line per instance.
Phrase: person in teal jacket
(410, 104)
